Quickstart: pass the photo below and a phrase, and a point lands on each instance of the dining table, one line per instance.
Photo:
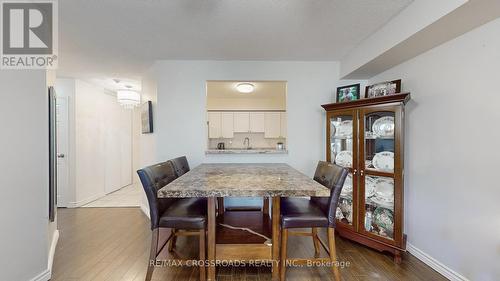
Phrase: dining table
(248, 237)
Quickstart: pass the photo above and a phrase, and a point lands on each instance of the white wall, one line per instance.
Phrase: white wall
(181, 129)
(145, 144)
(24, 180)
(100, 141)
(409, 21)
(452, 207)
(245, 104)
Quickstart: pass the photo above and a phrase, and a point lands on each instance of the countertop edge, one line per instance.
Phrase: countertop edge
(243, 151)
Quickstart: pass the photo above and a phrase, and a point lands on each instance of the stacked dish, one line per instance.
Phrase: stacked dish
(344, 158)
(345, 206)
(384, 193)
(347, 188)
(384, 220)
(370, 187)
(343, 129)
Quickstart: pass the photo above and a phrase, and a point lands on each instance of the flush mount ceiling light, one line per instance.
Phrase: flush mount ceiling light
(128, 98)
(245, 87)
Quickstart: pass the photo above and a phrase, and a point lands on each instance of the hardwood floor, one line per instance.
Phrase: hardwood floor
(113, 244)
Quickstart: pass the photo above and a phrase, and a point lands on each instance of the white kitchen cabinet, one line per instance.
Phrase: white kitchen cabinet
(241, 122)
(257, 122)
(283, 124)
(220, 125)
(214, 125)
(227, 125)
(272, 125)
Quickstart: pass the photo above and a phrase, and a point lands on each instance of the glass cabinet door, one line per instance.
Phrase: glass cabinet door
(379, 148)
(342, 150)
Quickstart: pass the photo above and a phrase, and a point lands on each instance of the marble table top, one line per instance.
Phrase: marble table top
(243, 180)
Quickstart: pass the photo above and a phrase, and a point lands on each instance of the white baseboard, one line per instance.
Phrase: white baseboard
(47, 273)
(145, 210)
(435, 264)
(52, 250)
(85, 201)
(44, 276)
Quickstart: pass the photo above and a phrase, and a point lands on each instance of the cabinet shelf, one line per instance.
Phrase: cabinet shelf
(378, 138)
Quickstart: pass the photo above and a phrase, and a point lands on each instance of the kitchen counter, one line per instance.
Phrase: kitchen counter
(246, 151)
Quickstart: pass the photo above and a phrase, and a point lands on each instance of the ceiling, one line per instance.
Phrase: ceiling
(263, 90)
(121, 38)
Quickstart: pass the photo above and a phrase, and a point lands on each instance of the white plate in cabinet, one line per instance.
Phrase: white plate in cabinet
(257, 122)
(272, 122)
(241, 122)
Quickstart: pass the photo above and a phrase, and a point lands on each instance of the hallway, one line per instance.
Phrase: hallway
(128, 196)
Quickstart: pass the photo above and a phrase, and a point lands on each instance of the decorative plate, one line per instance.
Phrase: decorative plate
(382, 202)
(344, 158)
(347, 188)
(384, 218)
(384, 127)
(384, 161)
(344, 129)
(345, 206)
(384, 189)
(370, 186)
(338, 214)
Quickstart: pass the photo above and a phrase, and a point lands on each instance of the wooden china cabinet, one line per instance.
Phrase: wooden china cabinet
(367, 136)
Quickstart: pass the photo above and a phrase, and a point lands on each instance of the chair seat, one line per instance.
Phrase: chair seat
(185, 213)
(301, 213)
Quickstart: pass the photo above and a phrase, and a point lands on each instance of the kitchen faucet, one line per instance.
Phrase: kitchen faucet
(247, 142)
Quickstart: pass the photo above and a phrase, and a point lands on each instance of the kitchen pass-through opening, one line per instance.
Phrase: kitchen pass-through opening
(246, 117)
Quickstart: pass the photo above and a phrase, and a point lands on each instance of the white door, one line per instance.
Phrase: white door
(257, 122)
(62, 151)
(241, 122)
(214, 125)
(126, 147)
(272, 122)
(112, 144)
(227, 122)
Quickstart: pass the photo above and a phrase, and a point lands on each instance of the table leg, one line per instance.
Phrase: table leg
(211, 238)
(265, 206)
(276, 237)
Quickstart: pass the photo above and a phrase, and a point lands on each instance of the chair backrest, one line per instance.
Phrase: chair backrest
(153, 178)
(331, 176)
(181, 165)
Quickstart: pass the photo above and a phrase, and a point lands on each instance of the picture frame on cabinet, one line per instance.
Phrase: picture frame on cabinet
(348, 93)
(147, 117)
(383, 89)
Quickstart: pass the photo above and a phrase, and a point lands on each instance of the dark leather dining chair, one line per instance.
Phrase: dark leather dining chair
(188, 216)
(316, 212)
(181, 165)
